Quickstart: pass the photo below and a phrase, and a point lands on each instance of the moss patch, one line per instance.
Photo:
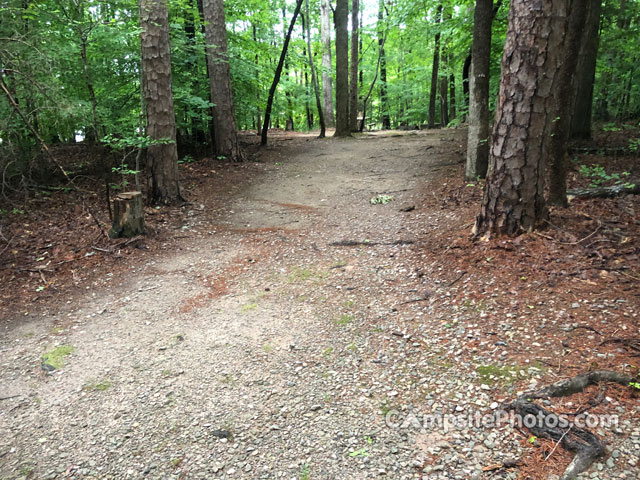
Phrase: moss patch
(54, 359)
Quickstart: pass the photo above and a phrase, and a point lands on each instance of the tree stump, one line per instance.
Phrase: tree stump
(128, 215)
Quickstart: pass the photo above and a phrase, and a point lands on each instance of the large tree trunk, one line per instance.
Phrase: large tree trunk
(433, 95)
(278, 73)
(386, 120)
(564, 92)
(514, 192)
(478, 137)
(224, 118)
(353, 80)
(586, 72)
(341, 17)
(314, 77)
(327, 82)
(161, 122)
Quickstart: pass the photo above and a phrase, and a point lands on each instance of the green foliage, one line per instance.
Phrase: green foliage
(598, 175)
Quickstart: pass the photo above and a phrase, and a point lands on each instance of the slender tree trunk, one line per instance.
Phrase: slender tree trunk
(478, 136)
(258, 112)
(224, 118)
(341, 17)
(433, 95)
(97, 128)
(444, 108)
(386, 120)
(307, 109)
(353, 81)
(514, 191)
(564, 92)
(586, 72)
(278, 73)
(161, 122)
(210, 128)
(466, 69)
(452, 88)
(327, 82)
(314, 77)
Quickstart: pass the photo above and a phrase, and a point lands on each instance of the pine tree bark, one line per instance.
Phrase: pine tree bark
(564, 93)
(386, 119)
(478, 136)
(341, 17)
(224, 119)
(433, 94)
(586, 72)
(161, 123)
(513, 199)
(327, 81)
(353, 74)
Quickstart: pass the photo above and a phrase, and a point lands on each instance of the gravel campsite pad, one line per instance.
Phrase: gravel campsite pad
(309, 321)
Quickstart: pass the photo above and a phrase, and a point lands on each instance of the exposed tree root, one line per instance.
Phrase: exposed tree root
(585, 445)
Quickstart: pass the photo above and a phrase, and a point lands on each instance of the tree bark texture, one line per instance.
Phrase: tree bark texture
(161, 122)
(353, 74)
(327, 68)
(564, 93)
(478, 136)
(433, 94)
(586, 72)
(341, 18)
(224, 118)
(128, 215)
(514, 192)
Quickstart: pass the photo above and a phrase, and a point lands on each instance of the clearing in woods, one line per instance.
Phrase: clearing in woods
(305, 307)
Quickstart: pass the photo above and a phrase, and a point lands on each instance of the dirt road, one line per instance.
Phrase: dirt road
(273, 344)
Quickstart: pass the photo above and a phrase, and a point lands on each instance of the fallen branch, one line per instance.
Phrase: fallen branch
(631, 186)
(365, 243)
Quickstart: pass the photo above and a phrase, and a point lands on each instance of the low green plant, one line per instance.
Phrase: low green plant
(56, 357)
(597, 175)
(381, 199)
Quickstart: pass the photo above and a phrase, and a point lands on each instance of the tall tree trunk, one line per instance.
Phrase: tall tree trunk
(224, 118)
(161, 122)
(386, 120)
(258, 112)
(211, 134)
(514, 191)
(327, 82)
(433, 95)
(452, 87)
(564, 92)
(314, 78)
(586, 72)
(478, 136)
(278, 73)
(353, 81)
(307, 109)
(97, 128)
(341, 18)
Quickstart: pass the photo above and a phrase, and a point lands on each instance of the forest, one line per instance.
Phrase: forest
(328, 239)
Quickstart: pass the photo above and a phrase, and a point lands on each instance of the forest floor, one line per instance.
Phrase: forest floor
(282, 325)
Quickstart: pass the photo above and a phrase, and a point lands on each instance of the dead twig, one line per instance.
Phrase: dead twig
(457, 279)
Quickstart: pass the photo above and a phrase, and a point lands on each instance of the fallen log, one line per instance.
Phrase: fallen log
(585, 445)
(630, 187)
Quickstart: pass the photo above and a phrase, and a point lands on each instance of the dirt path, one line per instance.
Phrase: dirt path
(273, 344)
